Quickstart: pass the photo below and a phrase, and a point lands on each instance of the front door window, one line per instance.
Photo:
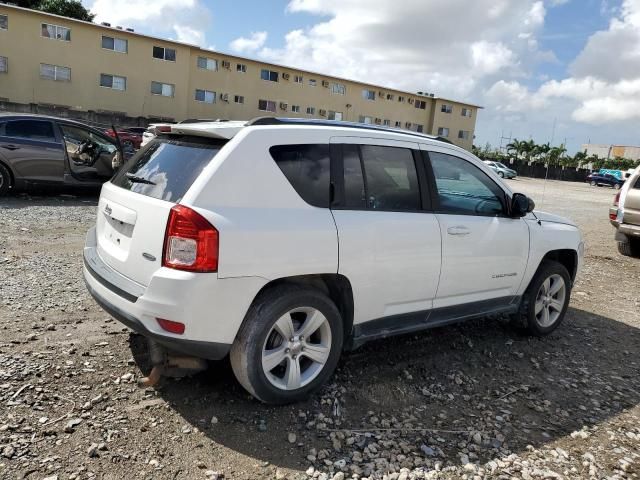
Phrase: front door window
(90, 154)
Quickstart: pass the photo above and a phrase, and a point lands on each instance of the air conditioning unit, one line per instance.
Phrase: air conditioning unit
(283, 106)
(226, 64)
(224, 97)
(411, 101)
(285, 76)
(323, 113)
(325, 83)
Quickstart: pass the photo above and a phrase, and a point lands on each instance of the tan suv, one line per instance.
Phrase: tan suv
(625, 216)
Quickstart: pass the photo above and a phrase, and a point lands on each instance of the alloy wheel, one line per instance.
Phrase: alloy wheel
(550, 300)
(297, 348)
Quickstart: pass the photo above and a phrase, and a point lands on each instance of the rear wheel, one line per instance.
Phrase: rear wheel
(544, 303)
(593, 183)
(630, 248)
(5, 180)
(501, 174)
(288, 345)
(616, 186)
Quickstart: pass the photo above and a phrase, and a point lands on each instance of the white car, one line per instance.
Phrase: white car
(282, 242)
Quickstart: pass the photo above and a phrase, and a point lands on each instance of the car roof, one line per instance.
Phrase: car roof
(37, 116)
(228, 129)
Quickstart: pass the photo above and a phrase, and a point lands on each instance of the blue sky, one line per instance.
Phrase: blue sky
(530, 63)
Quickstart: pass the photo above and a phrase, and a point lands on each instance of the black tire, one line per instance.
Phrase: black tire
(593, 184)
(247, 349)
(630, 248)
(616, 186)
(525, 320)
(5, 180)
(501, 175)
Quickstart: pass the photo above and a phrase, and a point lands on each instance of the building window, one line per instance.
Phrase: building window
(55, 72)
(295, 108)
(168, 54)
(207, 63)
(311, 110)
(335, 115)
(56, 32)
(268, 75)
(466, 112)
(113, 81)
(401, 99)
(368, 94)
(312, 82)
(463, 134)
(421, 104)
(238, 99)
(164, 89)
(364, 119)
(241, 67)
(446, 108)
(443, 132)
(266, 106)
(386, 123)
(205, 96)
(338, 88)
(4, 22)
(298, 79)
(389, 96)
(398, 124)
(419, 128)
(4, 64)
(116, 44)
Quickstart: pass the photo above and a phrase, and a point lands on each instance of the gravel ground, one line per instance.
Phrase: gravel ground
(470, 401)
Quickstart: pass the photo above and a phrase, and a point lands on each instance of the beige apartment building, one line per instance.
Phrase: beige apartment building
(75, 68)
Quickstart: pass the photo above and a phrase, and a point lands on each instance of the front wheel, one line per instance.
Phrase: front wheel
(616, 186)
(501, 174)
(288, 345)
(5, 180)
(544, 303)
(593, 183)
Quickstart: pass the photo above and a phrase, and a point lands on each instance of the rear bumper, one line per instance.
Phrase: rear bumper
(211, 309)
(626, 230)
(194, 348)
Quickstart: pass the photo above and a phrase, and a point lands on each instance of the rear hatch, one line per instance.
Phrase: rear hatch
(134, 207)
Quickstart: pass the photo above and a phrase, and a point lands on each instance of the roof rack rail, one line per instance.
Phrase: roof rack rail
(261, 121)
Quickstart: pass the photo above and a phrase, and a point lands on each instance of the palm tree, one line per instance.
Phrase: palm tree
(515, 146)
(528, 148)
(541, 151)
(555, 154)
(580, 158)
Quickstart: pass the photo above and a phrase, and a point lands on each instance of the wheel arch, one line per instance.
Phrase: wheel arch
(566, 257)
(337, 287)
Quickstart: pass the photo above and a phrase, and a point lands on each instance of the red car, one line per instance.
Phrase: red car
(129, 137)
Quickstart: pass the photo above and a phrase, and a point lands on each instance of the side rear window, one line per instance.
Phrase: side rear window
(167, 167)
(380, 178)
(31, 129)
(307, 169)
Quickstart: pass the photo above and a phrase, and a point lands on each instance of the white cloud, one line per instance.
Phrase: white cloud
(557, 3)
(444, 47)
(248, 45)
(185, 20)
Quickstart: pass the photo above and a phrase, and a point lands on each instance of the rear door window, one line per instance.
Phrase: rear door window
(307, 169)
(167, 168)
(31, 129)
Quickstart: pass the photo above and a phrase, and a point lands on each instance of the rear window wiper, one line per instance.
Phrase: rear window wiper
(135, 179)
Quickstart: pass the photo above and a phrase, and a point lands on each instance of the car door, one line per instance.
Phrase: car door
(89, 154)
(484, 251)
(389, 240)
(31, 148)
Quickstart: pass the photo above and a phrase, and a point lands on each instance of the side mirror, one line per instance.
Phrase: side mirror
(521, 205)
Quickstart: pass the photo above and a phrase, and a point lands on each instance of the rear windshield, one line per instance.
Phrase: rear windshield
(167, 167)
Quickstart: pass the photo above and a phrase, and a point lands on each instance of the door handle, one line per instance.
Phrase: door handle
(459, 230)
(10, 147)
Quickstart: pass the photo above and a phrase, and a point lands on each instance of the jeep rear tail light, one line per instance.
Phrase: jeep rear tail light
(616, 199)
(190, 242)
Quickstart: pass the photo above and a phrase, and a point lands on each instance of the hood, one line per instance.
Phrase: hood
(550, 217)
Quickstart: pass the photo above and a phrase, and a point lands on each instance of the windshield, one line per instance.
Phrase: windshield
(501, 165)
(167, 167)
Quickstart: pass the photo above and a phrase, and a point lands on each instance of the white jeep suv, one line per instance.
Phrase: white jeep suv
(283, 242)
